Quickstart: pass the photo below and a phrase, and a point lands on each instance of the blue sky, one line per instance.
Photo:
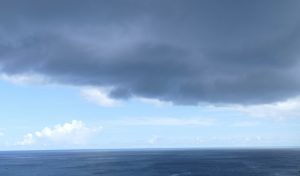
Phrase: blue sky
(149, 74)
(30, 108)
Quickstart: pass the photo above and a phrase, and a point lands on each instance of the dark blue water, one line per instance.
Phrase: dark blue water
(275, 162)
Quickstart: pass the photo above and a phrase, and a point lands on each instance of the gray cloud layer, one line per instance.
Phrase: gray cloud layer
(234, 51)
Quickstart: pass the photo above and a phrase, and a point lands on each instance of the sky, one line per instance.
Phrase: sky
(149, 74)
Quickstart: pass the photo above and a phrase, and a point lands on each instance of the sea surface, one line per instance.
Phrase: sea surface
(226, 162)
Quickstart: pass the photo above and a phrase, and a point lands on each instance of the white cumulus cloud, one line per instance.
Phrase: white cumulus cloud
(153, 101)
(279, 110)
(98, 96)
(74, 133)
(28, 139)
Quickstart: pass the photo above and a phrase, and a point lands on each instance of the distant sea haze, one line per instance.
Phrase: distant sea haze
(215, 162)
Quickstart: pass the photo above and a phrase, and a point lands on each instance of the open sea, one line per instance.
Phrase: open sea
(219, 162)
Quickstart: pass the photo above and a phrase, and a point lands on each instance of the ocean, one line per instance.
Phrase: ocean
(204, 162)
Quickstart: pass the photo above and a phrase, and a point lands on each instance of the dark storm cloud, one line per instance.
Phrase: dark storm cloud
(233, 51)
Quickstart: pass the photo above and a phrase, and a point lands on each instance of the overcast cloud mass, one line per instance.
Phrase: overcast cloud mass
(186, 52)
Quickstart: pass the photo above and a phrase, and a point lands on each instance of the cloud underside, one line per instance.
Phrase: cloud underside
(185, 52)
